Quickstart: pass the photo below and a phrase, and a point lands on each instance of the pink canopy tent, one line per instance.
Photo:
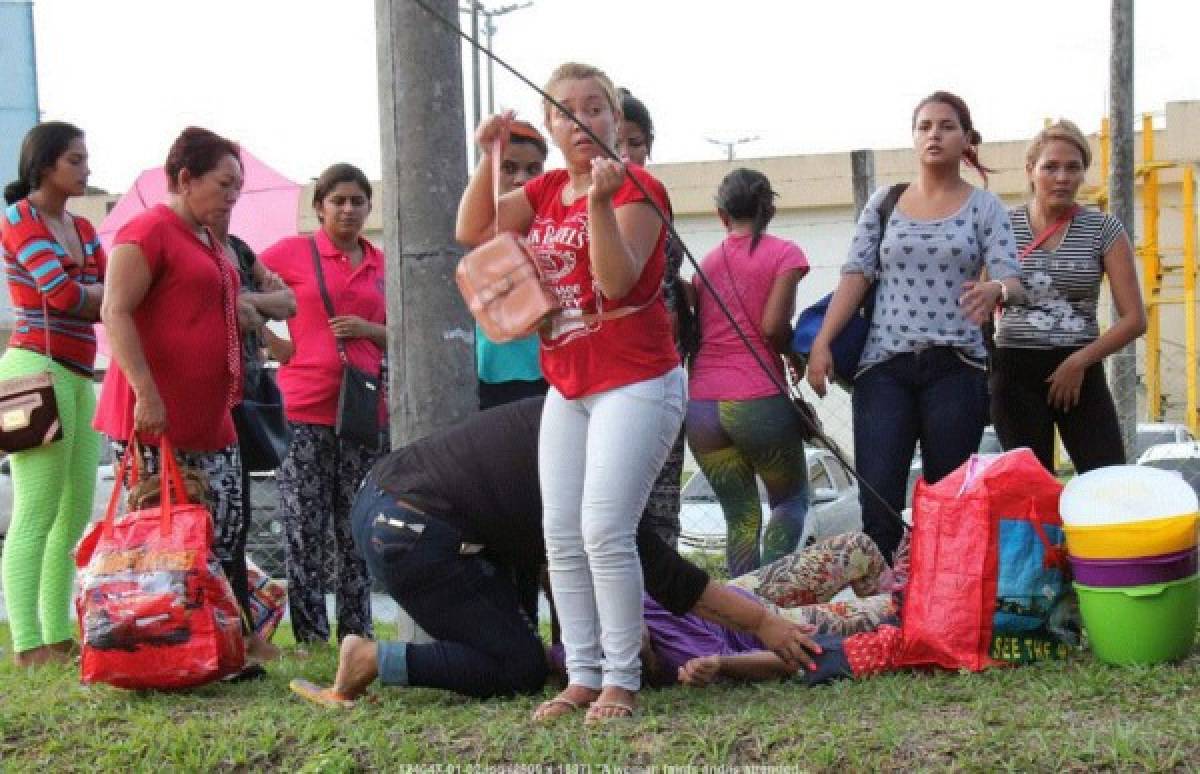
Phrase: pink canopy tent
(265, 213)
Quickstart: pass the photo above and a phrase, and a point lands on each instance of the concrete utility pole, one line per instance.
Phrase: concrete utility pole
(862, 178)
(430, 335)
(1123, 373)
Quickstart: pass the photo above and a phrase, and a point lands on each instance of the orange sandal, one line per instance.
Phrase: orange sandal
(325, 697)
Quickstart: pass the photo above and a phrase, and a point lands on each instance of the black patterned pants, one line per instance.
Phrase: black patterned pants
(317, 484)
(662, 508)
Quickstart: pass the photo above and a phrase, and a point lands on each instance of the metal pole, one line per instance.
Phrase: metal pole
(1189, 292)
(1151, 273)
(476, 112)
(862, 178)
(490, 29)
(1120, 186)
(430, 334)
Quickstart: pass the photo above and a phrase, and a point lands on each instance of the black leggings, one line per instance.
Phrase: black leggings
(1022, 416)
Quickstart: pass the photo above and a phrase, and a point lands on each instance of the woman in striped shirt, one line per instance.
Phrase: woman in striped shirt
(54, 265)
(1047, 368)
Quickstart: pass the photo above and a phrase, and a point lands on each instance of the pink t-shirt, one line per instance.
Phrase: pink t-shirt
(312, 378)
(724, 369)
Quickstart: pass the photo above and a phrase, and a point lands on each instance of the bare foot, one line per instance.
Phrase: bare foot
(613, 702)
(357, 666)
(65, 652)
(34, 657)
(574, 698)
(259, 650)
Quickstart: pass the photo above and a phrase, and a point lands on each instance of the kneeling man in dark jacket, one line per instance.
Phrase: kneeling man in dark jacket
(451, 525)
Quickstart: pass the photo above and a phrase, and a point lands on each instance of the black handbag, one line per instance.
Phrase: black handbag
(359, 395)
(262, 428)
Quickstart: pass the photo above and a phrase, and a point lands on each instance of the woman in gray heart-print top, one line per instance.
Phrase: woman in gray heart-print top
(922, 376)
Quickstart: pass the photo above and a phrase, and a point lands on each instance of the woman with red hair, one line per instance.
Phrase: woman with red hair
(922, 376)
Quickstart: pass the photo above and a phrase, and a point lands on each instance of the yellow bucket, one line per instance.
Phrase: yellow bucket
(1133, 540)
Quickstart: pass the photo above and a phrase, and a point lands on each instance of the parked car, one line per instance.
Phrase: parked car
(1182, 457)
(1154, 433)
(834, 508)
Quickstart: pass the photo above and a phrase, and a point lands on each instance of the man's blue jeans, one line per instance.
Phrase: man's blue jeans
(485, 643)
(931, 396)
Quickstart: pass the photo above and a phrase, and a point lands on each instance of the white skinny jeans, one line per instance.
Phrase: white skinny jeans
(598, 457)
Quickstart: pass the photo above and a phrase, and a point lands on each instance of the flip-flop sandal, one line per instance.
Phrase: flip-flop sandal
(625, 712)
(325, 697)
(246, 674)
(557, 701)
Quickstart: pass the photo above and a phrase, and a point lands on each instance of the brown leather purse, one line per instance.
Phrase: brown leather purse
(28, 407)
(500, 280)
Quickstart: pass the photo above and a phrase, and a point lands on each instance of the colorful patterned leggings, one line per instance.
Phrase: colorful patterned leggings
(53, 488)
(800, 586)
(736, 441)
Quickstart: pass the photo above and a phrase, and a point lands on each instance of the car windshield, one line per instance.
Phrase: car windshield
(1148, 438)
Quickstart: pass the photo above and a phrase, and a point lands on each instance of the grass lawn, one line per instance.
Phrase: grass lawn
(1075, 715)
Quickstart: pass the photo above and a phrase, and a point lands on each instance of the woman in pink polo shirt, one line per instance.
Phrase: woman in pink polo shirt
(321, 474)
(171, 313)
(617, 390)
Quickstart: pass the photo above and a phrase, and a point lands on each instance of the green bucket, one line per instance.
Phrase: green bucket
(1141, 624)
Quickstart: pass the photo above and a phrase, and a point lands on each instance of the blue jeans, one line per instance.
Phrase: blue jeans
(485, 642)
(931, 396)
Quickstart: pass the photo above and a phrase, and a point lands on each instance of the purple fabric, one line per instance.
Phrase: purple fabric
(678, 639)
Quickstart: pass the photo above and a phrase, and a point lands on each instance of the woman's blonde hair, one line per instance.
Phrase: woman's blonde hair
(575, 71)
(1061, 130)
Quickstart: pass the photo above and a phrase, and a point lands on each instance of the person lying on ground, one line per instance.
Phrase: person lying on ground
(800, 587)
(462, 506)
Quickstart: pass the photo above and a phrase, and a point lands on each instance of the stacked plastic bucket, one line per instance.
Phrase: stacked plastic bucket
(1131, 538)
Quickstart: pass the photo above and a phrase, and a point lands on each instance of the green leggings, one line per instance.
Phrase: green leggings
(53, 488)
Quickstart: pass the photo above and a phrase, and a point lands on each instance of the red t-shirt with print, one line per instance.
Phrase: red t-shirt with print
(583, 359)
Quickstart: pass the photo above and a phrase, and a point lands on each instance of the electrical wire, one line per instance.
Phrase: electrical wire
(781, 384)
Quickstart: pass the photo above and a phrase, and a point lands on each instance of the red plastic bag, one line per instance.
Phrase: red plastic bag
(950, 599)
(155, 609)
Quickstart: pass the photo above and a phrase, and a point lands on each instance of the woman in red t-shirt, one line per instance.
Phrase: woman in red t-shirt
(617, 391)
(171, 312)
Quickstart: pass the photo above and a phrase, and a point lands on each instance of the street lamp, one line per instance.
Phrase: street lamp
(476, 10)
(729, 145)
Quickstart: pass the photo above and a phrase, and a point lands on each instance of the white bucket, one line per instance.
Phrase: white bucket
(1121, 494)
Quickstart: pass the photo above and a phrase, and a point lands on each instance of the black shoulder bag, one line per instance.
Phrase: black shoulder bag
(358, 398)
(263, 432)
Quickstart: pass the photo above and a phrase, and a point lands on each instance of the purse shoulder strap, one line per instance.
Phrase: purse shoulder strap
(742, 305)
(316, 256)
(1049, 231)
